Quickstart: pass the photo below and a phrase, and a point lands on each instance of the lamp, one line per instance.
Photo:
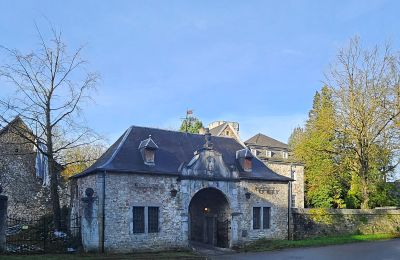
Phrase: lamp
(248, 195)
(173, 192)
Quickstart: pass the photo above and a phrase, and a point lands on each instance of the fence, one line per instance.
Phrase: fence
(29, 236)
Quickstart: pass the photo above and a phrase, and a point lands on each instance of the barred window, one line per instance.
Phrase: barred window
(138, 219)
(256, 218)
(153, 214)
(266, 217)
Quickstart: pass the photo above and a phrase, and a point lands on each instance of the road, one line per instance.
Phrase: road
(377, 250)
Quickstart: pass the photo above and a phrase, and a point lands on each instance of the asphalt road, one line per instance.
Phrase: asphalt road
(377, 250)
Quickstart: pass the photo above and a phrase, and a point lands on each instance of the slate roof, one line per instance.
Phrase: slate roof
(263, 140)
(175, 150)
(217, 129)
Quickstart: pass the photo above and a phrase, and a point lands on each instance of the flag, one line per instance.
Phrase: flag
(189, 112)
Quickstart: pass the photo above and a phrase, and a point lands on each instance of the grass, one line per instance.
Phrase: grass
(187, 255)
(268, 245)
(258, 246)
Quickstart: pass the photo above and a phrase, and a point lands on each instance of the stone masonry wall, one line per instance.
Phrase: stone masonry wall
(123, 191)
(309, 223)
(274, 195)
(27, 198)
(298, 175)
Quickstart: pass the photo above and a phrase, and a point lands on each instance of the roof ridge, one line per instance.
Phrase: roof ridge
(127, 132)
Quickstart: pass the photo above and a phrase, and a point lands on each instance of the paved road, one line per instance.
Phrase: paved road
(378, 250)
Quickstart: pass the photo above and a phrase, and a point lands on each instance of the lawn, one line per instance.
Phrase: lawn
(258, 246)
(267, 245)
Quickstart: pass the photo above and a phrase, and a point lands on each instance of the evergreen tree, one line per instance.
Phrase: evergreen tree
(315, 146)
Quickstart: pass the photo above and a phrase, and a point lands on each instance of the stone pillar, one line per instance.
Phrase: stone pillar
(89, 223)
(3, 220)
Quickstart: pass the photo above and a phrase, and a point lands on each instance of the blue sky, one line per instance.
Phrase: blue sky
(255, 62)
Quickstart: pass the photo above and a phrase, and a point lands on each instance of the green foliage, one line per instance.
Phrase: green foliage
(315, 146)
(322, 216)
(191, 125)
(267, 245)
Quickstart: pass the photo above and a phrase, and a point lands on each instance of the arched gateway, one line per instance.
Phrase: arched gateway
(210, 217)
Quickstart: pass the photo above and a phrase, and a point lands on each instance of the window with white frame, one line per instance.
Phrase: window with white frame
(268, 153)
(261, 217)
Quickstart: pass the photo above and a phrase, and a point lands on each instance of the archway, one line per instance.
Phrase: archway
(210, 217)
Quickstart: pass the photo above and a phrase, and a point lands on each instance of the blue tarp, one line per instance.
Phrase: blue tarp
(41, 165)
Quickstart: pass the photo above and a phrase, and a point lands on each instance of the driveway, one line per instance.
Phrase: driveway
(387, 249)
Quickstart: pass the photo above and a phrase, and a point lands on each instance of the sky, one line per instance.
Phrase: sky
(258, 63)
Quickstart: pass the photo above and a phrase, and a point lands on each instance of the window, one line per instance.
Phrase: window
(261, 214)
(266, 217)
(138, 219)
(293, 175)
(149, 155)
(268, 153)
(293, 201)
(146, 220)
(284, 155)
(254, 152)
(153, 219)
(256, 217)
(247, 164)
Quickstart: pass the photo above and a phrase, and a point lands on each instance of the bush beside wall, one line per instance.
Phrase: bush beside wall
(309, 223)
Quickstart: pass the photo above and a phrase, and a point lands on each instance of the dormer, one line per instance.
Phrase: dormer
(245, 158)
(148, 149)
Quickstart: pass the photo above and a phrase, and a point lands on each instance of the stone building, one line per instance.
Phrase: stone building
(276, 156)
(27, 197)
(155, 189)
(225, 129)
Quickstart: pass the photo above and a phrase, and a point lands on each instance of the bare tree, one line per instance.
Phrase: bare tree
(51, 86)
(366, 85)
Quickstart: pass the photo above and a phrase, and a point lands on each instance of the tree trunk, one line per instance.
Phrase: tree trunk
(364, 185)
(55, 198)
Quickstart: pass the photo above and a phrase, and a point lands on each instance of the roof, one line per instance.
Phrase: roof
(263, 140)
(17, 120)
(175, 150)
(216, 130)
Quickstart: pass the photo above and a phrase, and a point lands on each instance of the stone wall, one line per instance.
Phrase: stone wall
(285, 168)
(26, 195)
(124, 191)
(307, 223)
(274, 195)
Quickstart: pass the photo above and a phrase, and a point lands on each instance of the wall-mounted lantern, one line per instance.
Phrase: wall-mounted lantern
(173, 192)
(248, 195)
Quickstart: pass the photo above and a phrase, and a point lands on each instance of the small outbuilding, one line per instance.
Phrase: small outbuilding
(158, 189)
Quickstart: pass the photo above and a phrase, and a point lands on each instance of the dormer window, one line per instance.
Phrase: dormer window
(244, 158)
(247, 164)
(148, 149)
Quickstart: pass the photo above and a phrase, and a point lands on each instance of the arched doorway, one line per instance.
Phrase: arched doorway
(210, 217)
